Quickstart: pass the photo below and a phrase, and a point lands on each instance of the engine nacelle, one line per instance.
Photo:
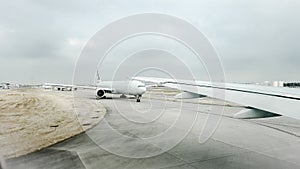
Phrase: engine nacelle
(100, 93)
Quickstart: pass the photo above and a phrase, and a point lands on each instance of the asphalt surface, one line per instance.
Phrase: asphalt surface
(165, 134)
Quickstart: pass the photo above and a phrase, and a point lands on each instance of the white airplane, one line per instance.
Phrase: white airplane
(261, 101)
(129, 87)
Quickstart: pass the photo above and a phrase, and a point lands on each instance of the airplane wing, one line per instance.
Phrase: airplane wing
(75, 87)
(69, 86)
(262, 101)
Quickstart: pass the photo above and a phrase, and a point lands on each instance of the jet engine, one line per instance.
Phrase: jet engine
(100, 93)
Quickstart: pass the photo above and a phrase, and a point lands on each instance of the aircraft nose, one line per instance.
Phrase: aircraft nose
(143, 89)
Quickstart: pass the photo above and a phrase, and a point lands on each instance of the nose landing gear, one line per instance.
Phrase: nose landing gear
(138, 98)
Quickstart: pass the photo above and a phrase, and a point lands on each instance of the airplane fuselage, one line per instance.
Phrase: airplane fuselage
(131, 87)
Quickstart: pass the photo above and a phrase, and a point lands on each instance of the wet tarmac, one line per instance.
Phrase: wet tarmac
(165, 134)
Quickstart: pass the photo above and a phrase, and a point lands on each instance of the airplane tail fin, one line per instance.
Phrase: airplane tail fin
(98, 76)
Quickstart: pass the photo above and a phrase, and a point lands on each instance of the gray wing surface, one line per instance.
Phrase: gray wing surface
(275, 100)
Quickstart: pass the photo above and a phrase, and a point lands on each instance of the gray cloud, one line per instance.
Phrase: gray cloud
(256, 40)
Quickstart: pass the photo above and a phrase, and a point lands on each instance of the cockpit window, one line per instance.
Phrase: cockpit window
(141, 86)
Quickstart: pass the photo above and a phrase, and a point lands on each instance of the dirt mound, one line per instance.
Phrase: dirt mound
(33, 119)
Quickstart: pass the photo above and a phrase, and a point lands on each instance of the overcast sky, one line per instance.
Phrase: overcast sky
(40, 40)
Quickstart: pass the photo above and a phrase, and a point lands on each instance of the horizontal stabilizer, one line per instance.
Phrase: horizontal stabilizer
(253, 114)
(188, 95)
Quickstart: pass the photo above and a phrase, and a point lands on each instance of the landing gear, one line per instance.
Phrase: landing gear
(123, 96)
(138, 98)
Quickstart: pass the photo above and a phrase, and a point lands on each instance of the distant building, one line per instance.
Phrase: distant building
(278, 83)
(291, 84)
(286, 84)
